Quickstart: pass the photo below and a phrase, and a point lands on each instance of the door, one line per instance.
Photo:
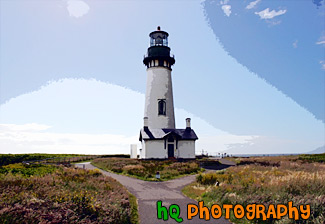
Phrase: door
(170, 150)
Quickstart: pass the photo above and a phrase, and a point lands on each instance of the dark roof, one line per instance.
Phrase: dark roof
(161, 133)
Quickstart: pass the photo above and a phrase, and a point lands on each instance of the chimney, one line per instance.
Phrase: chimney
(145, 122)
(188, 123)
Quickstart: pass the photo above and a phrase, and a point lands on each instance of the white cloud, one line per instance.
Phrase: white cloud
(221, 143)
(252, 4)
(321, 40)
(273, 22)
(295, 44)
(77, 8)
(27, 127)
(322, 63)
(211, 140)
(224, 2)
(21, 139)
(274, 145)
(267, 14)
(226, 9)
(83, 116)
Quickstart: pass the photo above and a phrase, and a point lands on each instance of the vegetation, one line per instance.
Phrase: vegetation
(27, 170)
(313, 157)
(134, 209)
(48, 194)
(146, 169)
(266, 180)
(276, 159)
(6, 159)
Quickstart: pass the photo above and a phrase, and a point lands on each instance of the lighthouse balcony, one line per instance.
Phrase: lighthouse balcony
(158, 51)
(159, 56)
(149, 55)
(172, 56)
(160, 61)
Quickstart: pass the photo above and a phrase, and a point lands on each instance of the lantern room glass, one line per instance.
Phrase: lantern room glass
(158, 39)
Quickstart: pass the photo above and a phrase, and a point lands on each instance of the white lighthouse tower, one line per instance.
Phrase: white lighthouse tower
(159, 137)
(159, 104)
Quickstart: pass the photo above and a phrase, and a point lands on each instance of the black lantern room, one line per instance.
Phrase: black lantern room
(158, 54)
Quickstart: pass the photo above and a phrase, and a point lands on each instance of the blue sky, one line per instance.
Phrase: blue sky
(249, 73)
(287, 50)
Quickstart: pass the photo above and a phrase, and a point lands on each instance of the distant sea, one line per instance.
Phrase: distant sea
(254, 155)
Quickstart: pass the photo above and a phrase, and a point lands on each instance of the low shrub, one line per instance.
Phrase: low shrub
(313, 157)
(27, 170)
(207, 178)
(66, 195)
(136, 170)
(265, 183)
(147, 169)
(6, 159)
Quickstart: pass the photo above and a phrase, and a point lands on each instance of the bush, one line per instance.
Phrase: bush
(95, 172)
(265, 183)
(6, 159)
(313, 157)
(207, 178)
(65, 196)
(136, 170)
(27, 170)
(146, 169)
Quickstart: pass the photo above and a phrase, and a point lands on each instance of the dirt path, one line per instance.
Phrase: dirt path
(148, 193)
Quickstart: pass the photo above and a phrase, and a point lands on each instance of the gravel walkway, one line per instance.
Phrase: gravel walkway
(148, 193)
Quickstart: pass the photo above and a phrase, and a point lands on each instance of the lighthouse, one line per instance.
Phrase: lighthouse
(159, 103)
(159, 137)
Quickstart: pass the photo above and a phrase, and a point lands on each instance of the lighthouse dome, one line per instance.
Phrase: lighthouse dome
(158, 53)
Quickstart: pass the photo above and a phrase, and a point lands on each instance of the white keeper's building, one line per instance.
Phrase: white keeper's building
(159, 137)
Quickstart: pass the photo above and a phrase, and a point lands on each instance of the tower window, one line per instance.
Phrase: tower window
(162, 107)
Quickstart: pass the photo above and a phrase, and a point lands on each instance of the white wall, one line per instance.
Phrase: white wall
(133, 151)
(142, 150)
(159, 86)
(153, 149)
(186, 149)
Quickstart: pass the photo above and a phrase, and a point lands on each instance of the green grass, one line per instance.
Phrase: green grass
(313, 157)
(265, 180)
(56, 194)
(27, 170)
(146, 169)
(134, 209)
